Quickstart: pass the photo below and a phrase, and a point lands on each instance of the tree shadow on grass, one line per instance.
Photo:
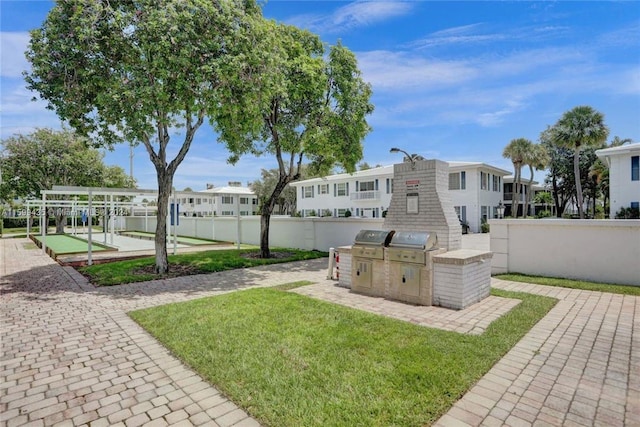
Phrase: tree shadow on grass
(51, 281)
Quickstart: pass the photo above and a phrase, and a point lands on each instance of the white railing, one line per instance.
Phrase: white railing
(365, 195)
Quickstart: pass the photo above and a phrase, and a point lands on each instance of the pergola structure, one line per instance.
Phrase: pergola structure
(108, 202)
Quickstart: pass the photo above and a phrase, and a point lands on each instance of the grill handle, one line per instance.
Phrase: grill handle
(401, 246)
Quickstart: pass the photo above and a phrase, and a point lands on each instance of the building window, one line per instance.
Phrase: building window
(227, 213)
(323, 189)
(484, 212)
(341, 212)
(461, 211)
(367, 186)
(389, 185)
(496, 183)
(483, 180)
(635, 205)
(198, 201)
(635, 168)
(254, 201)
(227, 200)
(307, 192)
(458, 181)
(342, 189)
(244, 200)
(244, 213)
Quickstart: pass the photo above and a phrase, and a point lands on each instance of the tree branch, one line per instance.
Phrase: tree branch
(191, 130)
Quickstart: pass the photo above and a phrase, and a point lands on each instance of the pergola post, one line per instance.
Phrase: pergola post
(43, 223)
(89, 260)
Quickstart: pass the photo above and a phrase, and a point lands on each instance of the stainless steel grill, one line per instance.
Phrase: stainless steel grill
(411, 246)
(371, 243)
(410, 278)
(368, 265)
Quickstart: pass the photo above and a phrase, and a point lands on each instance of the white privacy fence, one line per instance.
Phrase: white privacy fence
(594, 250)
(284, 231)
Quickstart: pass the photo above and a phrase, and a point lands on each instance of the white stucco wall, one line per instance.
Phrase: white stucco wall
(594, 250)
(284, 231)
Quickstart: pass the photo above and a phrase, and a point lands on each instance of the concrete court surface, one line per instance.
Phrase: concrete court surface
(71, 356)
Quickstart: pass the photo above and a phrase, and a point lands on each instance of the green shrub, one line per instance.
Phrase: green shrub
(484, 226)
(347, 213)
(628, 213)
(544, 214)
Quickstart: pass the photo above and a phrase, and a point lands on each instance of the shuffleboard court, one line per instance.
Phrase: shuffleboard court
(191, 241)
(65, 244)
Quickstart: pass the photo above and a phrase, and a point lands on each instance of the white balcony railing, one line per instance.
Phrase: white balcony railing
(365, 195)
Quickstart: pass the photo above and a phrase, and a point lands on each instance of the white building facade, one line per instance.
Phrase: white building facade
(624, 176)
(476, 189)
(223, 201)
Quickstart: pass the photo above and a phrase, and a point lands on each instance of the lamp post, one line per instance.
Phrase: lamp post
(409, 156)
(500, 210)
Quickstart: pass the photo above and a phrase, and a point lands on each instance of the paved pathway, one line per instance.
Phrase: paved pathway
(579, 366)
(71, 356)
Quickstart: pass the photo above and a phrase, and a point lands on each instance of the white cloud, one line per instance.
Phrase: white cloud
(387, 70)
(625, 37)
(476, 34)
(13, 46)
(353, 15)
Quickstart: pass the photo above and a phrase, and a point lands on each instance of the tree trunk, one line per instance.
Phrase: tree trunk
(527, 198)
(265, 217)
(265, 220)
(164, 192)
(515, 197)
(61, 221)
(576, 173)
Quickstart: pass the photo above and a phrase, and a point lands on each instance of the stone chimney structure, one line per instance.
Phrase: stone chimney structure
(421, 202)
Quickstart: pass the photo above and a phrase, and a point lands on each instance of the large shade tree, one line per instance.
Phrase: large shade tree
(516, 151)
(263, 187)
(139, 71)
(578, 128)
(44, 158)
(301, 104)
(560, 171)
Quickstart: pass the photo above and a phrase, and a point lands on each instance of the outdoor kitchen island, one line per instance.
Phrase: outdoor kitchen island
(423, 263)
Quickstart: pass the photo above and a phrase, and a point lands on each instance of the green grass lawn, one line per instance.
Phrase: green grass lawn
(573, 284)
(290, 360)
(140, 270)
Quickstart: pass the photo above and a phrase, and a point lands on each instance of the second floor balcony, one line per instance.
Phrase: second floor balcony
(365, 195)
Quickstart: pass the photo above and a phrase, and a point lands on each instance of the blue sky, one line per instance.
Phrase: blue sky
(451, 80)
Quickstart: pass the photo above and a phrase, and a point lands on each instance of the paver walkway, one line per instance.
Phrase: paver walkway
(71, 356)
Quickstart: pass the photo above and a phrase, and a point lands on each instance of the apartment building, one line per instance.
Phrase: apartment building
(476, 189)
(624, 176)
(219, 201)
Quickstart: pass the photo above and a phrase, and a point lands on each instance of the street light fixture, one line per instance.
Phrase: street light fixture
(500, 210)
(409, 156)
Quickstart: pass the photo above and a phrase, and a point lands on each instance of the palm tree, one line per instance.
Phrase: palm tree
(516, 151)
(544, 198)
(577, 128)
(535, 157)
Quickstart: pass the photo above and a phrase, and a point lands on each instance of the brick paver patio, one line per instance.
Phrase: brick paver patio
(71, 356)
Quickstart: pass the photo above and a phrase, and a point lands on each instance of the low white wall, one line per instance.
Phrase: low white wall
(594, 250)
(284, 231)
